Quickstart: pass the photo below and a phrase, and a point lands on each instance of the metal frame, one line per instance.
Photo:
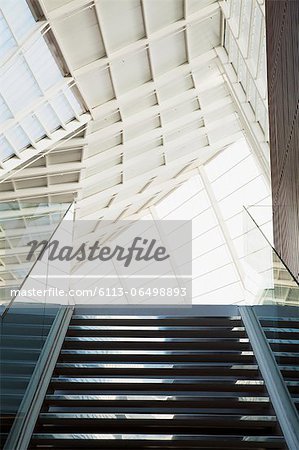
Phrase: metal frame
(23, 426)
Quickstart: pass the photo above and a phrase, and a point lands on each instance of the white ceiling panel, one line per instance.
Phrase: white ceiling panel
(178, 111)
(142, 127)
(54, 4)
(175, 86)
(168, 52)
(135, 149)
(131, 71)
(97, 87)
(152, 162)
(204, 35)
(159, 13)
(104, 145)
(193, 6)
(138, 104)
(106, 120)
(82, 48)
(124, 16)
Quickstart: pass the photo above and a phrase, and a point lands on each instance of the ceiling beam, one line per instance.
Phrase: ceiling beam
(40, 191)
(34, 211)
(52, 169)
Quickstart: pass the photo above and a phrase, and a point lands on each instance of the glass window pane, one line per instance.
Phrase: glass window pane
(17, 137)
(6, 151)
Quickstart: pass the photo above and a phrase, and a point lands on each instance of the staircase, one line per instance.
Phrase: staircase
(156, 382)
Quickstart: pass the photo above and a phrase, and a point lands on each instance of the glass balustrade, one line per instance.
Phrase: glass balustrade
(19, 224)
(25, 322)
(268, 279)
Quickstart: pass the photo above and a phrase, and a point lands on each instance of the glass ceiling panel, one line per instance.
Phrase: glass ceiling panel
(30, 81)
(8, 42)
(42, 64)
(5, 113)
(18, 16)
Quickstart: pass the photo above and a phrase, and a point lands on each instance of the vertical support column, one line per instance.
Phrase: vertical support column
(282, 402)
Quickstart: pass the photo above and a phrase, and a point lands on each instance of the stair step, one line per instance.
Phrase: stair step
(164, 384)
(156, 355)
(163, 320)
(121, 422)
(155, 369)
(147, 441)
(127, 343)
(158, 331)
(195, 397)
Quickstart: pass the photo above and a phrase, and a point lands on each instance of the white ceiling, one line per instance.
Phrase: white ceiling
(158, 87)
(150, 77)
(150, 74)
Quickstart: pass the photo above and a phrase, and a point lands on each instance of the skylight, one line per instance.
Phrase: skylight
(35, 98)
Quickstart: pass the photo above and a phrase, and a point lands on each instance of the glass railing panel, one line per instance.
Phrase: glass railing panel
(280, 325)
(25, 320)
(268, 279)
(278, 296)
(19, 224)
(24, 329)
